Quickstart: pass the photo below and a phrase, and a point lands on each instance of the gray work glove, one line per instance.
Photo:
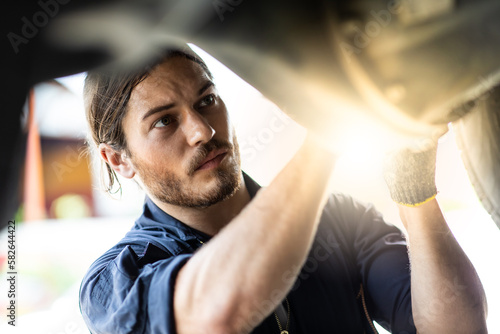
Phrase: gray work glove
(410, 174)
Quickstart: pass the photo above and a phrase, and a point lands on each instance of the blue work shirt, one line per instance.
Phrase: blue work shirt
(357, 271)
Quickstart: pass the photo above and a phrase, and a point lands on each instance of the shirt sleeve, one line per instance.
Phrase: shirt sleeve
(381, 256)
(131, 294)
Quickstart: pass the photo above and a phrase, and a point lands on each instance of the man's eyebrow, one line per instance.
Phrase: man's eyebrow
(157, 110)
(207, 85)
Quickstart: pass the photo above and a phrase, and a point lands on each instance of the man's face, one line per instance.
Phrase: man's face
(181, 144)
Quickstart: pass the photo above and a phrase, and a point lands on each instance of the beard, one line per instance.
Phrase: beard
(168, 187)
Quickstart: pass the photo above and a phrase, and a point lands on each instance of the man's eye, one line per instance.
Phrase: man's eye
(207, 100)
(164, 121)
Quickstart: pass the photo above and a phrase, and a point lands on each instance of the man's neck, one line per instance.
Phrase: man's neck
(212, 219)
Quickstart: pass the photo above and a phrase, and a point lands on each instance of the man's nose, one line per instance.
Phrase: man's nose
(196, 128)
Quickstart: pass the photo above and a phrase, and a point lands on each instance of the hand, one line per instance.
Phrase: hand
(410, 174)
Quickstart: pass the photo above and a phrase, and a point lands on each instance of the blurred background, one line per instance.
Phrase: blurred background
(65, 221)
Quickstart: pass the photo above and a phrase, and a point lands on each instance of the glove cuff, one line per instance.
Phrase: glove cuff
(410, 176)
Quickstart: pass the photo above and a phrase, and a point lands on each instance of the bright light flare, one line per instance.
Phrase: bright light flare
(360, 150)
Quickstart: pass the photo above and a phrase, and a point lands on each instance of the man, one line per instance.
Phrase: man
(213, 253)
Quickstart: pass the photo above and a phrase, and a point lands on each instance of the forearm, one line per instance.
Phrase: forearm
(447, 295)
(238, 278)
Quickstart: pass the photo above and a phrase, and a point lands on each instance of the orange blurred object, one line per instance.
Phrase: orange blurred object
(34, 192)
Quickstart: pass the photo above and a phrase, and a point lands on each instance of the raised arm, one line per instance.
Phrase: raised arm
(238, 278)
(447, 295)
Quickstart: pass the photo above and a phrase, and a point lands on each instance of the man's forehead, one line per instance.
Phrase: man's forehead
(177, 68)
(173, 72)
(174, 76)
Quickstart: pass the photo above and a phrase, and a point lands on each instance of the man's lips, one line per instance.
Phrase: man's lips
(213, 159)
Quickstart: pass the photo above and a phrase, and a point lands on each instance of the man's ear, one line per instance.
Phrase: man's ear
(117, 160)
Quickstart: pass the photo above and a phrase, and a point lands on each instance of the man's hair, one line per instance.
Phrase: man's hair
(106, 95)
